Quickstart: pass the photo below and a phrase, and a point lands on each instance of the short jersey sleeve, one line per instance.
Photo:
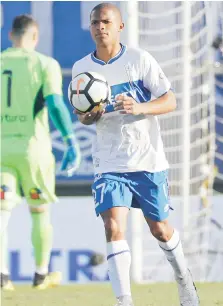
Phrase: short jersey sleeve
(153, 77)
(52, 78)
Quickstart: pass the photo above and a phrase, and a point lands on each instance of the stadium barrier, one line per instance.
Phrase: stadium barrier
(78, 234)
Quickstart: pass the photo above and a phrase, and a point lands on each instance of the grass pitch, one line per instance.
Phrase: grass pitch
(211, 294)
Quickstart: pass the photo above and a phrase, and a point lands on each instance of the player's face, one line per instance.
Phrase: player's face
(105, 27)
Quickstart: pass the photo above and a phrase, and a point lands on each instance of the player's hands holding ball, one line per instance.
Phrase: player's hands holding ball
(127, 105)
(90, 117)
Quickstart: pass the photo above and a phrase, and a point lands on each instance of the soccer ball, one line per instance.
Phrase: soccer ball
(87, 90)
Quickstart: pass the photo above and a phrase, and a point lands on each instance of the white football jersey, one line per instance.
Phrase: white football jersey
(125, 142)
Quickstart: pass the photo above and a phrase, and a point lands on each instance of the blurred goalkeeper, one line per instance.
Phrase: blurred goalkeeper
(31, 85)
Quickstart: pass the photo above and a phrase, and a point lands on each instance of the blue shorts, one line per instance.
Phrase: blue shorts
(144, 190)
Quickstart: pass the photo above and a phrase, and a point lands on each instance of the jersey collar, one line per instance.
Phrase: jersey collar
(112, 60)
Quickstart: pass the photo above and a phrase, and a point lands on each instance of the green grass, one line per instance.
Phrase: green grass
(101, 295)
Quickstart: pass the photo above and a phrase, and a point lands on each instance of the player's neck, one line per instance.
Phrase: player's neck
(105, 53)
(21, 44)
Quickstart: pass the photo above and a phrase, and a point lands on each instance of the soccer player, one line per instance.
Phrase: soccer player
(128, 155)
(31, 86)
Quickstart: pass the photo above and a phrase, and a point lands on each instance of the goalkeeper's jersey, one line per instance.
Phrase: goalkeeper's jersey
(128, 143)
(27, 78)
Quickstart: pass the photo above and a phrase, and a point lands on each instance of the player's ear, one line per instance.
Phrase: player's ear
(10, 35)
(36, 36)
(121, 27)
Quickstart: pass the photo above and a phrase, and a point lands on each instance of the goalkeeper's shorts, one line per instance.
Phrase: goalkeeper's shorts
(144, 190)
(33, 173)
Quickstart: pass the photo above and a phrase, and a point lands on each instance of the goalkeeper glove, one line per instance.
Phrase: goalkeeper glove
(72, 156)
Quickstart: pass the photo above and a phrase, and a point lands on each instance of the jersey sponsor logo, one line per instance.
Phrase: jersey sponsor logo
(35, 194)
(11, 119)
(5, 192)
(79, 81)
(133, 88)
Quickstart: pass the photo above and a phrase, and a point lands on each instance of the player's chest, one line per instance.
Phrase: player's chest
(119, 72)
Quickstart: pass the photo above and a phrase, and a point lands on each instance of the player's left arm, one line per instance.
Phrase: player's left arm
(59, 114)
(156, 82)
(162, 105)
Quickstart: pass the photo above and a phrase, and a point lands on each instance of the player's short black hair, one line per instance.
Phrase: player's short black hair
(106, 5)
(21, 24)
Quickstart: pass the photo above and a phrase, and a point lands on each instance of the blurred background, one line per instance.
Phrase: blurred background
(186, 38)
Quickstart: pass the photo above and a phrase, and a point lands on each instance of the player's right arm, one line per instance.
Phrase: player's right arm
(59, 114)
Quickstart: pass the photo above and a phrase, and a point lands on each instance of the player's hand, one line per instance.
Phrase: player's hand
(127, 105)
(72, 157)
(90, 117)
